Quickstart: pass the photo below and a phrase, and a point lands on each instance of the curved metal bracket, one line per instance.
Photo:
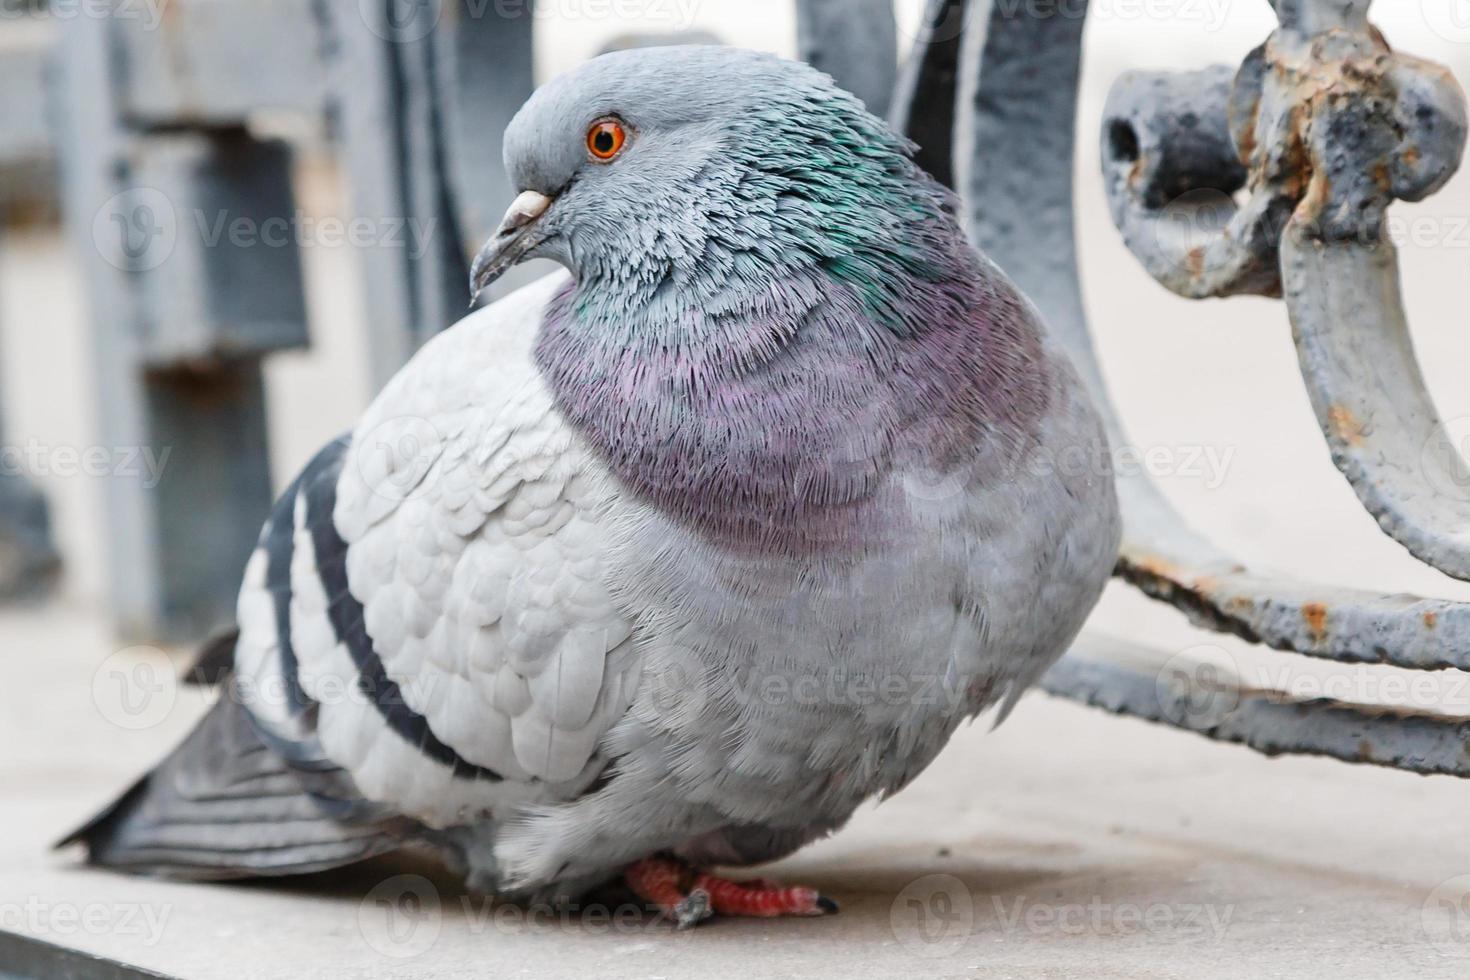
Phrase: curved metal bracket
(1326, 126)
(854, 41)
(1015, 154)
(1005, 138)
(1205, 698)
(1171, 170)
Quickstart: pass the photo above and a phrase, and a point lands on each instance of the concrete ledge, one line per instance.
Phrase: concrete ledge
(1066, 844)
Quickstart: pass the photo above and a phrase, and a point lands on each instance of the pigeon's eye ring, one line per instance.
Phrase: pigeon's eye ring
(606, 138)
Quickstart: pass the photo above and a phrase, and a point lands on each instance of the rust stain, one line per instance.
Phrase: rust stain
(1246, 152)
(1156, 566)
(1410, 155)
(1431, 619)
(1135, 173)
(1381, 176)
(1315, 614)
(1299, 179)
(1346, 425)
(1316, 196)
(1195, 260)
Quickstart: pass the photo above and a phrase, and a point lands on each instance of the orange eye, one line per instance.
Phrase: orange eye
(605, 139)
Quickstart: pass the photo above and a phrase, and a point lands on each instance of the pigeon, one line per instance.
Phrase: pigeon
(671, 559)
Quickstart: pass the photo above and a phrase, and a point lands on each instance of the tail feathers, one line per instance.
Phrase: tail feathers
(215, 661)
(223, 805)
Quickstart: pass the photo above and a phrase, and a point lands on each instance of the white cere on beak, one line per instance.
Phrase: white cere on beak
(526, 208)
(512, 240)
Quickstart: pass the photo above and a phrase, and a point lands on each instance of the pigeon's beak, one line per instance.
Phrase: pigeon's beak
(515, 237)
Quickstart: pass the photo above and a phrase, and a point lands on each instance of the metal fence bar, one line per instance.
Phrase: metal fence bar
(854, 41)
(1013, 149)
(421, 107)
(485, 74)
(1009, 146)
(923, 104)
(1331, 127)
(365, 65)
(1201, 696)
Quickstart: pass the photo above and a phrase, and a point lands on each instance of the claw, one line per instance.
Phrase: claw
(691, 910)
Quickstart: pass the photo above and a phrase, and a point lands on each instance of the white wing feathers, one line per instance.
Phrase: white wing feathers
(469, 512)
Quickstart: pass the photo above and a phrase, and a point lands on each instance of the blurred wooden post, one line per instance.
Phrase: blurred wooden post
(183, 305)
(159, 167)
(28, 558)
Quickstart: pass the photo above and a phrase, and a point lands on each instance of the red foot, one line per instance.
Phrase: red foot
(763, 899)
(686, 896)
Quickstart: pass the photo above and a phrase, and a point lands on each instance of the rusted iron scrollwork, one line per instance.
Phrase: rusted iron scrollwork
(1325, 126)
(1316, 134)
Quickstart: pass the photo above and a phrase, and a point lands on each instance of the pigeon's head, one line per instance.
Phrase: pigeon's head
(698, 164)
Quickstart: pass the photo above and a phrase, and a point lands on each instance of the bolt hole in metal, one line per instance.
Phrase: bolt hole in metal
(1122, 141)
